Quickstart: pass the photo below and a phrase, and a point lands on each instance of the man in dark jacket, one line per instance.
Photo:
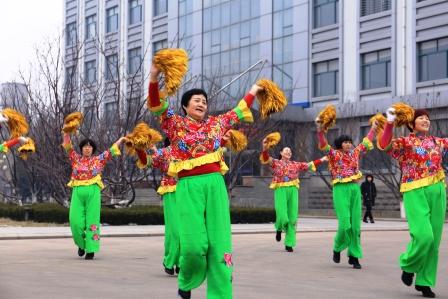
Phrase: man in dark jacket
(368, 191)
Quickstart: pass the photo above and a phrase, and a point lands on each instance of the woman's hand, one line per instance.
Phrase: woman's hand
(154, 73)
(255, 89)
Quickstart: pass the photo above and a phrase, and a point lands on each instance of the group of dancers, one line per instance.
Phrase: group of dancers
(198, 243)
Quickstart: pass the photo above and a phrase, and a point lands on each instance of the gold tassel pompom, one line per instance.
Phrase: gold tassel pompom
(271, 98)
(237, 141)
(272, 139)
(404, 113)
(141, 138)
(380, 120)
(327, 117)
(26, 149)
(17, 123)
(72, 122)
(173, 63)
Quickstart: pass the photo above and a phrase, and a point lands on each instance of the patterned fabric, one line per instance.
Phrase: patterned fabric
(286, 173)
(87, 170)
(420, 160)
(344, 167)
(161, 160)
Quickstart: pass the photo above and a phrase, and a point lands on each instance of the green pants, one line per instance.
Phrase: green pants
(172, 249)
(205, 235)
(347, 206)
(84, 217)
(286, 212)
(425, 211)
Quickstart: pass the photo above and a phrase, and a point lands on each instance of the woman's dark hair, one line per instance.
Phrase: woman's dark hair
(340, 140)
(186, 97)
(166, 142)
(85, 142)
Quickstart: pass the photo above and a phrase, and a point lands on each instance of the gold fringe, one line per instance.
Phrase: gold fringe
(17, 123)
(95, 180)
(72, 122)
(173, 63)
(404, 113)
(166, 189)
(271, 98)
(272, 139)
(440, 176)
(348, 179)
(285, 184)
(237, 141)
(327, 117)
(176, 167)
(27, 149)
(141, 138)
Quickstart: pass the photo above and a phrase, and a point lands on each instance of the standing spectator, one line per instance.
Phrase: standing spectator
(368, 191)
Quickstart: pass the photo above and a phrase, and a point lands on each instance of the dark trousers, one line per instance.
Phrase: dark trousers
(368, 213)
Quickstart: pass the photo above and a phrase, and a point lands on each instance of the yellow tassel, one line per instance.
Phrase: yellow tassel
(141, 138)
(72, 122)
(272, 139)
(380, 120)
(327, 117)
(173, 63)
(237, 141)
(404, 113)
(271, 98)
(17, 123)
(26, 149)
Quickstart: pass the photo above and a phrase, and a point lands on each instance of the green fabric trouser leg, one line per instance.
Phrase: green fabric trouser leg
(347, 205)
(425, 211)
(84, 217)
(205, 235)
(286, 212)
(172, 249)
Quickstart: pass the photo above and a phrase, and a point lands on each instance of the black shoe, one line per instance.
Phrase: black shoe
(365, 221)
(371, 221)
(289, 248)
(177, 269)
(169, 271)
(89, 255)
(81, 252)
(355, 262)
(336, 257)
(426, 291)
(407, 278)
(184, 294)
(278, 235)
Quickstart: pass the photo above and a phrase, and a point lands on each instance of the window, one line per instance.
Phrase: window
(70, 34)
(325, 78)
(90, 27)
(161, 44)
(90, 72)
(112, 67)
(112, 19)
(135, 12)
(369, 7)
(134, 60)
(325, 12)
(160, 7)
(110, 112)
(375, 69)
(432, 59)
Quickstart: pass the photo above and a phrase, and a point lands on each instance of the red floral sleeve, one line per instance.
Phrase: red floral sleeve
(301, 166)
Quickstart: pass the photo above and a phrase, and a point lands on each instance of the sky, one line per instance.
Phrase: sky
(25, 25)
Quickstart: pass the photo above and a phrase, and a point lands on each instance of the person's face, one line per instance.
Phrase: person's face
(197, 107)
(226, 136)
(347, 146)
(286, 153)
(87, 150)
(369, 179)
(422, 124)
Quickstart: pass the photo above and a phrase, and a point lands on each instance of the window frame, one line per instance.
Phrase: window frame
(109, 18)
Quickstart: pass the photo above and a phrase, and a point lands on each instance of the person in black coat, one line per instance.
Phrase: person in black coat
(368, 191)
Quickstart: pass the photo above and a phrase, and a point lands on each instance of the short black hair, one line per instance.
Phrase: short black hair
(166, 142)
(85, 142)
(186, 97)
(340, 140)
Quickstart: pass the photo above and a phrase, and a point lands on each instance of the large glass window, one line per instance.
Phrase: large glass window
(70, 34)
(325, 12)
(112, 67)
(369, 7)
(91, 26)
(135, 12)
(90, 72)
(325, 78)
(375, 69)
(135, 60)
(433, 59)
(160, 7)
(156, 46)
(112, 19)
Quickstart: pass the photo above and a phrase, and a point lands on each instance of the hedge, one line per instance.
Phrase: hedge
(142, 215)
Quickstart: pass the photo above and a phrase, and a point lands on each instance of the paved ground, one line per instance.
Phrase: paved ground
(131, 268)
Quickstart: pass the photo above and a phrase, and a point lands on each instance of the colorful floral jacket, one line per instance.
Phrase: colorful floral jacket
(87, 170)
(420, 160)
(161, 160)
(286, 173)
